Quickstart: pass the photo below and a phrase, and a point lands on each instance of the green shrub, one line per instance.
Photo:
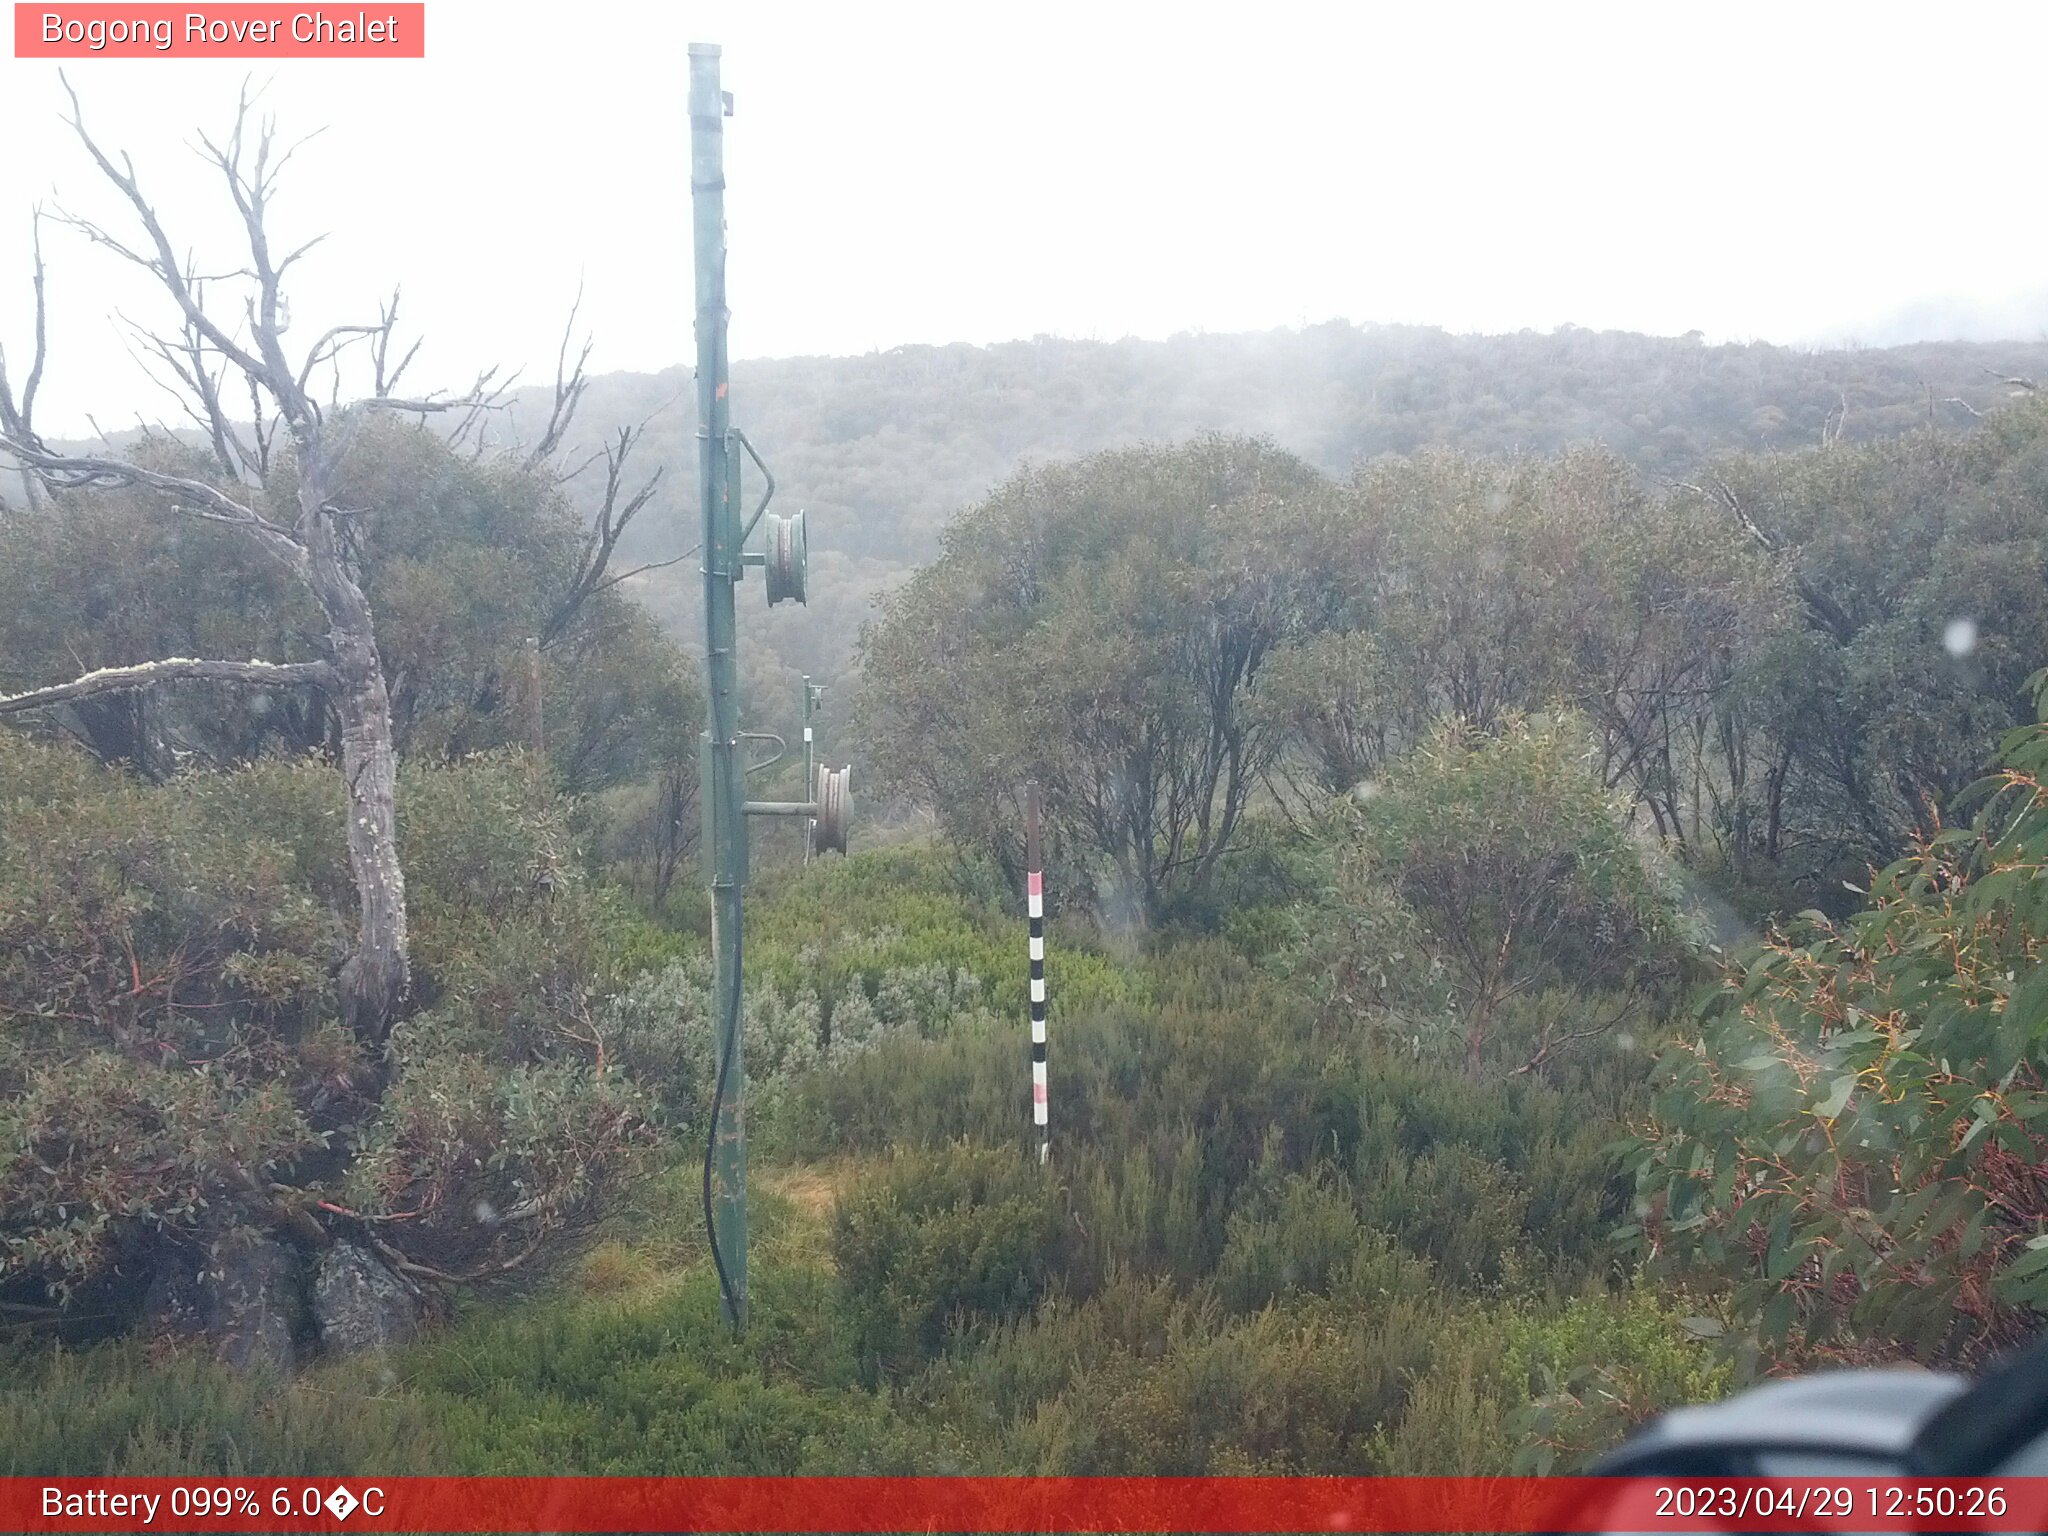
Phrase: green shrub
(170, 1042)
(938, 1247)
(1542, 1150)
(1291, 1389)
(1308, 1239)
(1462, 1212)
(838, 923)
(1485, 866)
(1589, 1374)
(1853, 1134)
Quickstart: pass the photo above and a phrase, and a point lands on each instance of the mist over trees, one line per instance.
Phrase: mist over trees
(885, 449)
(1543, 840)
(1789, 670)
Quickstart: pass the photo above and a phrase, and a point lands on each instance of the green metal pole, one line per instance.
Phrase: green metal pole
(725, 850)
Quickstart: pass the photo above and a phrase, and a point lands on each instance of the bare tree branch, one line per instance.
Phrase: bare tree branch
(569, 386)
(384, 378)
(484, 397)
(61, 471)
(1553, 1041)
(35, 368)
(2024, 384)
(264, 426)
(1823, 610)
(330, 346)
(17, 419)
(428, 405)
(613, 518)
(268, 316)
(187, 358)
(164, 265)
(642, 570)
(173, 669)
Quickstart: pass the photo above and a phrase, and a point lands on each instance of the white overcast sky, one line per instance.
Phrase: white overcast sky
(983, 171)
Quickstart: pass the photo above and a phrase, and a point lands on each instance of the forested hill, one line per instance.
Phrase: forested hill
(885, 449)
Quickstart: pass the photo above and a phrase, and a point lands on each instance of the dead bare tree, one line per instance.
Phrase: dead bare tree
(17, 417)
(206, 356)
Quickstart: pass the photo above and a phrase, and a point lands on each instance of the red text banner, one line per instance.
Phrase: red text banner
(114, 31)
(982, 1504)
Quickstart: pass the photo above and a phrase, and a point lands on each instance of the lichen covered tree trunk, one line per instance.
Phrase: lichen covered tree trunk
(374, 980)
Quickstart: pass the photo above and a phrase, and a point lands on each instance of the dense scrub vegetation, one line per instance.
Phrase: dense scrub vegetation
(172, 1069)
(1521, 741)
(177, 902)
(1532, 945)
(1280, 1248)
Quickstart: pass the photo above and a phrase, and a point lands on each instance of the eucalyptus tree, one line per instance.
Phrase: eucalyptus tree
(1101, 627)
(1913, 573)
(1507, 869)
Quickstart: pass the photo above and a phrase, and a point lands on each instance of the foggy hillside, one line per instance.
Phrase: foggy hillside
(883, 450)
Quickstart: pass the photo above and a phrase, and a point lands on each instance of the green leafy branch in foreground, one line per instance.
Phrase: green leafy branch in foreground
(1855, 1134)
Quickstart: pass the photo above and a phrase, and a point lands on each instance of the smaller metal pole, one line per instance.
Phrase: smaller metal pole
(1034, 905)
(534, 697)
(810, 774)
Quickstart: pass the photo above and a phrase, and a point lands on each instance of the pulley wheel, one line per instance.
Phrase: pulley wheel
(788, 552)
(835, 807)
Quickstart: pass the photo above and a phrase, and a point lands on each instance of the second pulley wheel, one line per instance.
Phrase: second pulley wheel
(788, 553)
(834, 794)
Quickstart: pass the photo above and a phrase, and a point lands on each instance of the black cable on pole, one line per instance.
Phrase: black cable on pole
(731, 1033)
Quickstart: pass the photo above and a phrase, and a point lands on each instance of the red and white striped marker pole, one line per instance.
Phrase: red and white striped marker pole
(1034, 905)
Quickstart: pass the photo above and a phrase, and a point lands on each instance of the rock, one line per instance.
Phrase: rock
(240, 1293)
(174, 1305)
(358, 1304)
(256, 1301)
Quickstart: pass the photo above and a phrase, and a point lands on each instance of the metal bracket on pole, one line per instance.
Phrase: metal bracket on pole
(766, 474)
(781, 750)
(787, 558)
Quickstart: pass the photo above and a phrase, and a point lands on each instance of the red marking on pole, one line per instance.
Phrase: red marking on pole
(1034, 884)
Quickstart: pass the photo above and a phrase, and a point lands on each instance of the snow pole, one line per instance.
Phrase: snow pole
(1034, 905)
